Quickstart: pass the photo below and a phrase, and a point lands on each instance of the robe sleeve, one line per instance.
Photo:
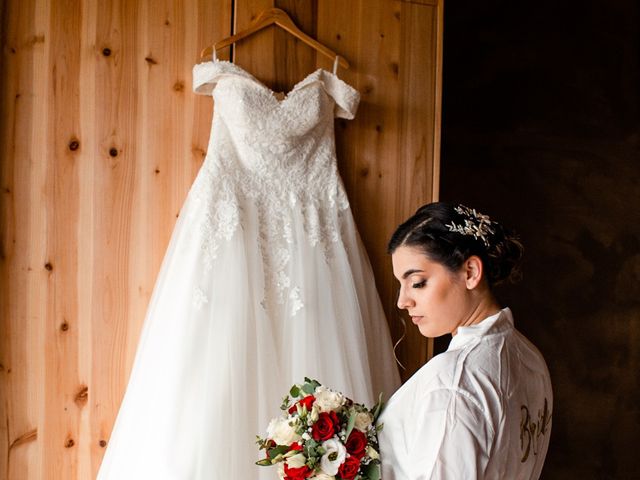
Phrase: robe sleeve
(452, 438)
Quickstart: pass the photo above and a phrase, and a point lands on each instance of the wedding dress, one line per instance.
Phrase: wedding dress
(264, 282)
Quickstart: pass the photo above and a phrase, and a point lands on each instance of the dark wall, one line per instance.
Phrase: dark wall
(541, 130)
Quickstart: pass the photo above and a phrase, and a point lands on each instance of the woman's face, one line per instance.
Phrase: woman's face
(437, 299)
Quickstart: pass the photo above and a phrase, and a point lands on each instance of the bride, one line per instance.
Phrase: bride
(482, 409)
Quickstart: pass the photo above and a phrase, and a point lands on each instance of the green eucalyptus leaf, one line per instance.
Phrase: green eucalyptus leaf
(372, 471)
(310, 385)
(352, 422)
(377, 408)
(278, 450)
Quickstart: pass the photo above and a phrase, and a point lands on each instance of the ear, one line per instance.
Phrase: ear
(473, 270)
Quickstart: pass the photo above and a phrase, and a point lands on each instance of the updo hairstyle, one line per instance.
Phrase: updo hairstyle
(450, 234)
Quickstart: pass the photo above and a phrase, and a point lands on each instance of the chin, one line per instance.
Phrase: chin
(429, 330)
(425, 331)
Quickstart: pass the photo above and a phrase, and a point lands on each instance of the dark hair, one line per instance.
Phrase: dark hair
(450, 234)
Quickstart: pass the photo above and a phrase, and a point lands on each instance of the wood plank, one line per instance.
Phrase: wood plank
(118, 62)
(21, 236)
(293, 59)
(61, 411)
(255, 53)
(417, 145)
(86, 135)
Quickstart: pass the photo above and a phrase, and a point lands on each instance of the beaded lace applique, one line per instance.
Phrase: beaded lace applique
(277, 156)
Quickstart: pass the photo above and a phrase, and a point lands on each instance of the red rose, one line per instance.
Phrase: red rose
(356, 444)
(335, 419)
(349, 469)
(299, 473)
(325, 426)
(295, 446)
(306, 401)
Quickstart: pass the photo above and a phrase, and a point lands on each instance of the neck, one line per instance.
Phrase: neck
(484, 308)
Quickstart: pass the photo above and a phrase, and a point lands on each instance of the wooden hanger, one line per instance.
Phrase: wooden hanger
(280, 18)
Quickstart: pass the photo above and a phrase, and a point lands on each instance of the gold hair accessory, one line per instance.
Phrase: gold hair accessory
(475, 223)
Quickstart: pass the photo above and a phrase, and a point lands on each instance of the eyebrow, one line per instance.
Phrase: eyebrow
(411, 272)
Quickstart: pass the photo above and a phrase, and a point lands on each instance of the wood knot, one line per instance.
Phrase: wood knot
(157, 171)
(113, 152)
(74, 145)
(199, 151)
(378, 128)
(69, 443)
(338, 37)
(395, 68)
(178, 86)
(64, 326)
(367, 89)
(150, 60)
(106, 51)
(27, 437)
(364, 172)
(48, 266)
(102, 443)
(82, 396)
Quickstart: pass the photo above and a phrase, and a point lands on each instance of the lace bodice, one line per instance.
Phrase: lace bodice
(277, 156)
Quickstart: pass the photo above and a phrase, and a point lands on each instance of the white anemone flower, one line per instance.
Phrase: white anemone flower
(335, 455)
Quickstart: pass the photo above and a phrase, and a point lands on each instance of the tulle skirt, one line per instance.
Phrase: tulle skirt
(213, 364)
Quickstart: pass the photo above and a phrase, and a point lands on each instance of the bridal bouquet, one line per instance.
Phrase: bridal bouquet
(322, 435)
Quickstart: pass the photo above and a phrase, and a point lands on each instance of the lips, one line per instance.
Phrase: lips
(416, 320)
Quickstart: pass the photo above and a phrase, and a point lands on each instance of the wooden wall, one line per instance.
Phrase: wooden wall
(100, 139)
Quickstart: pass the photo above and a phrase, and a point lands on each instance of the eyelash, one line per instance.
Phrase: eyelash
(419, 284)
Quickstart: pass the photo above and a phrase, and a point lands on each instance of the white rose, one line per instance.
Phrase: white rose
(335, 456)
(363, 421)
(327, 400)
(372, 453)
(281, 432)
(296, 461)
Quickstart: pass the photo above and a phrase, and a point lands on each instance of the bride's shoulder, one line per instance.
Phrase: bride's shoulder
(437, 372)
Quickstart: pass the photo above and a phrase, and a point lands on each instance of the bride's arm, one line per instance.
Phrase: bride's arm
(452, 439)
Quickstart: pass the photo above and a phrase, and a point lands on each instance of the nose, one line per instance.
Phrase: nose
(404, 301)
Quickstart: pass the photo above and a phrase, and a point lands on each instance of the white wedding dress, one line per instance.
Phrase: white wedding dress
(264, 282)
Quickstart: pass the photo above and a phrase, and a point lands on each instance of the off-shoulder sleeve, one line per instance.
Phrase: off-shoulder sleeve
(345, 96)
(207, 74)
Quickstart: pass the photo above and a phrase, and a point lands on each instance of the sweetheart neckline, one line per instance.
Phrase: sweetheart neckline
(273, 94)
